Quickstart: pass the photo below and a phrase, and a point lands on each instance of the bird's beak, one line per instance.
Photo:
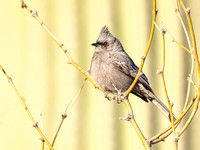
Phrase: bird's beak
(95, 44)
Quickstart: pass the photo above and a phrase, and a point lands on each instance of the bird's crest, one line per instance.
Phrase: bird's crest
(105, 34)
(105, 30)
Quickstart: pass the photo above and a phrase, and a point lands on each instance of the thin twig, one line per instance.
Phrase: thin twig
(134, 124)
(125, 101)
(41, 122)
(181, 45)
(189, 84)
(61, 45)
(187, 13)
(190, 47)
(190, 118)
(192, 82)
(161, 136)
(146, 51)
(183, 24)
(191, 72)
(35, 124)
(67, 109)
(163, 32)
(158, 137)
(163, 78)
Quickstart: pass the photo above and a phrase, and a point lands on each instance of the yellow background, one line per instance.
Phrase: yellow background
(47, 83)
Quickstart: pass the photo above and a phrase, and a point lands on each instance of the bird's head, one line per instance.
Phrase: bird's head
(107, 42)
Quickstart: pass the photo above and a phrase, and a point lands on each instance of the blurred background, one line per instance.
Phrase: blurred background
(47, 83)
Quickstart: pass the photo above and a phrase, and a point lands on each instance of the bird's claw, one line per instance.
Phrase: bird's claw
(118, 98)
(106, 95)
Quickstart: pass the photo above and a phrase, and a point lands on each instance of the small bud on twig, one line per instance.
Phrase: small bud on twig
(159, 72)
(176, 9)
(64, 116)
(127, 118)
(163, 30)
(35, 124)
(157, 11)
(41, 139)
(62, 45)
(23, 5)
(188, 10)
(176, 139)
(69, 61)
(143, 57)
(172, 104)
(35, 14)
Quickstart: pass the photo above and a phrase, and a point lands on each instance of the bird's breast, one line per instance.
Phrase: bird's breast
(106, 76)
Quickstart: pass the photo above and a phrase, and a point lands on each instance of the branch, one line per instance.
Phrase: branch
(146, 51)
(35, 124)
(162, 135)
(190, 51)
(163, 31)
(190, 118)
(187, 13)
(69, 106)
(61, 45)
(130, 117)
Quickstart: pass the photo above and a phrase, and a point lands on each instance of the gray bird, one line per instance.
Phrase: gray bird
(114, 71)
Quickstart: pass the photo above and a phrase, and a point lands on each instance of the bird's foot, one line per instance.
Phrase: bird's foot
(119, 97)
(106, 95)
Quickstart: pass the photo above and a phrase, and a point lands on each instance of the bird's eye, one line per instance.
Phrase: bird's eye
(105, 43)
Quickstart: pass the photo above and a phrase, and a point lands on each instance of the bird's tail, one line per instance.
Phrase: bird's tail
(165, 111)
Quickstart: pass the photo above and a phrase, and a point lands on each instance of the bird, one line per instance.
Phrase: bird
(113, 70)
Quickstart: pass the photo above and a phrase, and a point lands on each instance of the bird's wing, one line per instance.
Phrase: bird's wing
(125, 65)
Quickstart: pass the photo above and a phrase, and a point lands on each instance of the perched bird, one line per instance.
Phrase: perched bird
(114, 71)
